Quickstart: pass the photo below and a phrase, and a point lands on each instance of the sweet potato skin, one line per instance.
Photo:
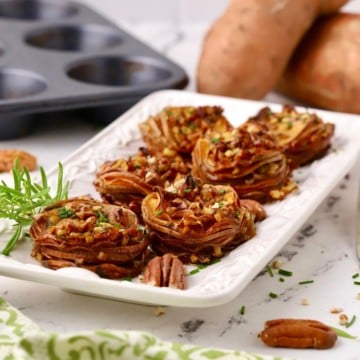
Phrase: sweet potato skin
(247, 48)
(325, 69)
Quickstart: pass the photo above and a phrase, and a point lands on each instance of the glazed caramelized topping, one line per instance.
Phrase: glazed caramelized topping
(196, 222)
(179, 128)
(303, 136)
(253, 165)
(86, 233)
(151, 169)
(127, 181)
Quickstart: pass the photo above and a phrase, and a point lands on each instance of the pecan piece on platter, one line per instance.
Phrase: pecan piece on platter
(298, 333)
(86, 233)
(255, 208)
(165, 271)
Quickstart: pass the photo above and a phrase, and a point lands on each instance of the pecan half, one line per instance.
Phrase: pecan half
(8, 157)
(298, 333)
(255, 208)
(165, 271)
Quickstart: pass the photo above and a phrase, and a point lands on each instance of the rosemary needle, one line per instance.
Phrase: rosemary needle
(26, 198)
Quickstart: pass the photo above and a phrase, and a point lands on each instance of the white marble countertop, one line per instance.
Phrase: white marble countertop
(322, 249)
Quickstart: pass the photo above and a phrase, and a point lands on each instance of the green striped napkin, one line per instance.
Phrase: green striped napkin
(22, 339)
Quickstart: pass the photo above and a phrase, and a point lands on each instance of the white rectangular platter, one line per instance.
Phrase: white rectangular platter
(220, 282)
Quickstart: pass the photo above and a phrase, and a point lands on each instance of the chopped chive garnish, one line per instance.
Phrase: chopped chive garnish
(349, 323)
(192, 126)
(273, 295)
(281, 279)
(215, 261)
(268, 269)
(306, 282)
(202, 266)
(66, 213)
(195, 271)
(101, 218)
(284, 272)
(159, 212)
(242, 310)
(343, 333)
(356, 282)
(355, 276)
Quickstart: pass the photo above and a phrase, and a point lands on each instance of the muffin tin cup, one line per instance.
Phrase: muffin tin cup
(58, 56)
(37, 10)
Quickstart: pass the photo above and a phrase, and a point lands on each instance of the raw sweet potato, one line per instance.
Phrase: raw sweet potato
(325, 69)
(247, 48)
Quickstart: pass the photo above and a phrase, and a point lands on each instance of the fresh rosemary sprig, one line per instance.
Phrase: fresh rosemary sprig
(26, 198)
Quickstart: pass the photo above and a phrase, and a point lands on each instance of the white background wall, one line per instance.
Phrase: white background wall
(159, 10)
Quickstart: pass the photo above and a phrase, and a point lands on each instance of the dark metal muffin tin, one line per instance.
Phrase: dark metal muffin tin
(59, 56)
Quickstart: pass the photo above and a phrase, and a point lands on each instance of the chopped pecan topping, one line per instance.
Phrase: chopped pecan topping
(127, 181)
(83, 232)
(302, 136)
(254, 166)
(298, 333)
(196, 222)
(165, 271)
(179, 127)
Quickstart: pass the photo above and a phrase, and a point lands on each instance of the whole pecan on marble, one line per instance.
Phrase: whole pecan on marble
(298, 333)
(165, 271)
(24, 158)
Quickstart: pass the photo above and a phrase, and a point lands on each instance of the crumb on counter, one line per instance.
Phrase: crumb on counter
(305, 301)
(336, 310)
(276, 264)
(158, 311)
(343, 319)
